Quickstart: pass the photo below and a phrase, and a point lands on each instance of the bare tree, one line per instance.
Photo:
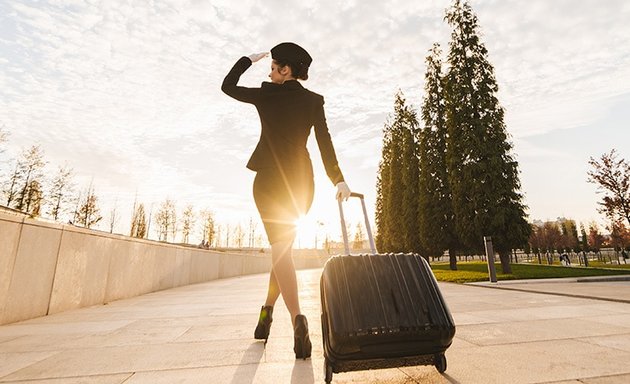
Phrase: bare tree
(138, 221)
(77, 205)
(89, 212)
(359, 237)
(174, 228)
(239, 236)
(208, 227)
(149, 221)
(24, 187)
(218, 235)
(612, 177)
(251, 233)
(61, 190)
(31, 169)
(165, 219)
(7, 187)
(188, 222)
(34, 197)
(10, 189)
(4, 136)
(113, 217)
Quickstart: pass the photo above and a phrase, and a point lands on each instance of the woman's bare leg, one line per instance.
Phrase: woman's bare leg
(284, 271)
(273, 292)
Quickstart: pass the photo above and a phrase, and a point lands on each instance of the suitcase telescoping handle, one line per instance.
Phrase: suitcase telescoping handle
(368, 229)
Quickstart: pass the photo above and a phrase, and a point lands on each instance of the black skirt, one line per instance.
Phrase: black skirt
(282, 196)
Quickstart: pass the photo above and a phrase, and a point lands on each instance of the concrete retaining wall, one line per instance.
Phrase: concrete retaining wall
(47, 268)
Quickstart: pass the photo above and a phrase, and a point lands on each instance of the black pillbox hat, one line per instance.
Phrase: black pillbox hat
(292, 53)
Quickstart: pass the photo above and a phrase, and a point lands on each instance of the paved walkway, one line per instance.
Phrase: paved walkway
(203, 334)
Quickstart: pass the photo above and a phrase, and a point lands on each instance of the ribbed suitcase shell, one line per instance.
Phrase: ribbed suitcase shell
(382, 310)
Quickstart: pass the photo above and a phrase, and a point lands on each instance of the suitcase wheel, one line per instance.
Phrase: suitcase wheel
(440, 362)
(328, 372)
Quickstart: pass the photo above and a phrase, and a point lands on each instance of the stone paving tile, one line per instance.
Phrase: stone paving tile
(617, 320)
(111, 360)
(11, 362)
(472, 318)
(612, 307)
(40, 343)
(4, 339)
(618, 379)
(534, 362)
(534, 330)
(63, 328)
(100, 379)
(620, 342)
(616, 290)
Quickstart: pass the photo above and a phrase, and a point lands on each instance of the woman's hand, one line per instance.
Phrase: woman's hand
(343, 191)
(254, 57)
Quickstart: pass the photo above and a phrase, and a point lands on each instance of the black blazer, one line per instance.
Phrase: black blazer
(287, 113)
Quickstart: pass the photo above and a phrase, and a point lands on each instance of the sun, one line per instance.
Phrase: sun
(310, 232)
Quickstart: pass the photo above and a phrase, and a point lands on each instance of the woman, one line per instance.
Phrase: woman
(283, 186)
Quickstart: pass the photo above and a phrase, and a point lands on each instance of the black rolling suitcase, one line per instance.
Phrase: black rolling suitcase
(381, 311)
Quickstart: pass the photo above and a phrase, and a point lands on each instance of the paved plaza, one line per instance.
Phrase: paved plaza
(203, 334)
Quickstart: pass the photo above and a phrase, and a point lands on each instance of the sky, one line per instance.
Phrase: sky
(127, 93)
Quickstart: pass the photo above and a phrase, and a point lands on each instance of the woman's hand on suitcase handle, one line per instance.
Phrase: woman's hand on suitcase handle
(343, 191)
(254, 57)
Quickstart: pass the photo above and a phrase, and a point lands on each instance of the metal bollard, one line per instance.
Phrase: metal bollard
(490, 258)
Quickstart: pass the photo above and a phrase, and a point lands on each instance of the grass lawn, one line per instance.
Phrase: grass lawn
(478, 271)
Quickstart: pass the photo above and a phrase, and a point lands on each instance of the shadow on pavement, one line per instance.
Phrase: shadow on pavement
(248, 366)
(450, 379)
(302, 372)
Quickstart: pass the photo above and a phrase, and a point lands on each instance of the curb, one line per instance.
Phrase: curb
(505, 285)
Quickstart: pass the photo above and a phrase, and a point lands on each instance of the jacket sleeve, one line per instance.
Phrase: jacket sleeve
(229, 87)
(325, 144)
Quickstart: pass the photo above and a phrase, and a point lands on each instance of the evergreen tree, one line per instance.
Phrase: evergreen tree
(383, 192)
(434, 198)
(483, 174)
(410, 181)
(569, 231)
(397, 183)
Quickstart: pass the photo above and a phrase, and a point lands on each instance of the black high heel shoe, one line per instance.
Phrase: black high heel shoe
(264, 323)
(302, 342)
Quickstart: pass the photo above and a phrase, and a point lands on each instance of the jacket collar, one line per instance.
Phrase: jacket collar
(289, 85)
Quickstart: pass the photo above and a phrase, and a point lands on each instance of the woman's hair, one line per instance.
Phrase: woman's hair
(299, 71)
